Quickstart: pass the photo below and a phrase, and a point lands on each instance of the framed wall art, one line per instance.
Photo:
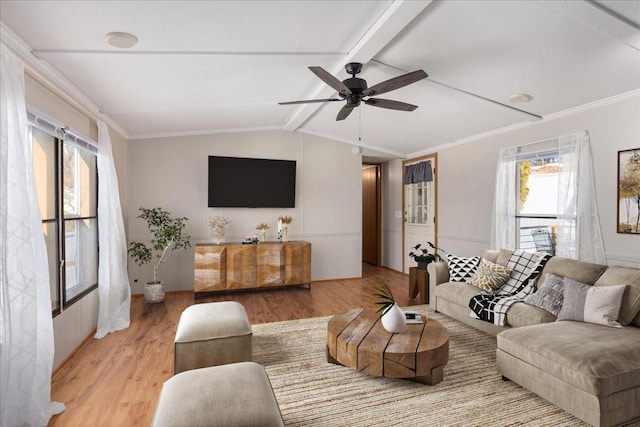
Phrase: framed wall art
(629, 191)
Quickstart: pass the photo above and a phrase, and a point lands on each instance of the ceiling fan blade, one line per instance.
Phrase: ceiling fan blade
(344, 112)
(390, 104)
(395, 83)
(309, 101)
(329, 79)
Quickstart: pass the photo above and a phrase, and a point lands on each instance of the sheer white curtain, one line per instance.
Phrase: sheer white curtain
(113, 281)
(503, 224)
(579, 234)
(26, 326)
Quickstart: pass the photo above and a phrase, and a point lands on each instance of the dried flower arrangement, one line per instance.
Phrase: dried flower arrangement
(263, 226)
(286, 219)
(218, 226)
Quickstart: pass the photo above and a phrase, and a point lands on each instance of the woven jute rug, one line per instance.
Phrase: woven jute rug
(312, 392)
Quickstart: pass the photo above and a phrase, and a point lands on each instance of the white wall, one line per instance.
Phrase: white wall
(466, 178)
(392, 225)
(172, 173)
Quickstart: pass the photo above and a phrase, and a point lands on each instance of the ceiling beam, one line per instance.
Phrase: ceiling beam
(397, 16)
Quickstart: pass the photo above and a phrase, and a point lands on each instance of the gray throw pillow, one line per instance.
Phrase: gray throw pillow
(549, 295)
(591, 304)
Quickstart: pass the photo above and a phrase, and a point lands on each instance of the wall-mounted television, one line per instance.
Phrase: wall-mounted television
(236, 182)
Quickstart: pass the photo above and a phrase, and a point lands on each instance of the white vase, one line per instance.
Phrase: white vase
(154, 292)
(393, 320)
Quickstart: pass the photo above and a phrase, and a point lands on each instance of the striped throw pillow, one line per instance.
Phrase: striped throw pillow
(591, 304)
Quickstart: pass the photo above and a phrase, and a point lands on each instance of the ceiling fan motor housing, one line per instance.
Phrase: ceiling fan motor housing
(356, 86)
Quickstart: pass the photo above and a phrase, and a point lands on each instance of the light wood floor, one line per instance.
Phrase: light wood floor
(116, 381)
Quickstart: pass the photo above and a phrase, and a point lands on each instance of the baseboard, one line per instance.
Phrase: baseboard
(66, 359)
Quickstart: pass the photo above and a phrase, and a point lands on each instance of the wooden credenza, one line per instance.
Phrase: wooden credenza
(231, 266)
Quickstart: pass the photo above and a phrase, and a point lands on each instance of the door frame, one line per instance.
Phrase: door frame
(378, 167)
(434, 160)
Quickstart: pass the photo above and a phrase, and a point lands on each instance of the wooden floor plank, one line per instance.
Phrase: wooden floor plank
(116, 381)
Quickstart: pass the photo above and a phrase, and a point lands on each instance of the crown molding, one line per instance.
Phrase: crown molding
(205, 132)
(55, 81)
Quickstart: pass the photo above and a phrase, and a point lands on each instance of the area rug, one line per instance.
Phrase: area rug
(312, 392)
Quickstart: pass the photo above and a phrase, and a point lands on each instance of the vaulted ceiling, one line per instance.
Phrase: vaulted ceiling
(223, 66)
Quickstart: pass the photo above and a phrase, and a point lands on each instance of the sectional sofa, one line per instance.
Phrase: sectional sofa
(590, 370)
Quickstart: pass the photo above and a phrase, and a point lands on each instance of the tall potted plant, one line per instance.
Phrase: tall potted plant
(168, 236)
(422, 255)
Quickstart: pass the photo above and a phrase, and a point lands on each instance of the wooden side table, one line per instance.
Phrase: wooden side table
(419, 283)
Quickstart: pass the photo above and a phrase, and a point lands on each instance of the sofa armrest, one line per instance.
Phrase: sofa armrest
(438, 273)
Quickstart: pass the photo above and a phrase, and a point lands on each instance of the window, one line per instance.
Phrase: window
(537, 201)
(417, 197)
(545, 199)
(418, 187)
(66, 185)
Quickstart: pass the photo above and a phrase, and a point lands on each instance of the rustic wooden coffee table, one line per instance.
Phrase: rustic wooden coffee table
(356, 339)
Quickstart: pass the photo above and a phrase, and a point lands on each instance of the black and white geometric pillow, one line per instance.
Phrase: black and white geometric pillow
(462, 269)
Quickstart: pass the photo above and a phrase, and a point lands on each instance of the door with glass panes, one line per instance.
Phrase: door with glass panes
(419, 211)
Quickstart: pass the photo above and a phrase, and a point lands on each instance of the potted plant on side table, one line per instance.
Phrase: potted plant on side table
(422, 255)
(168, 236)
(418, 277)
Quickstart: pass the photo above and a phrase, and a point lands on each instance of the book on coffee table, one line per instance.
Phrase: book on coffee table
(413, 317)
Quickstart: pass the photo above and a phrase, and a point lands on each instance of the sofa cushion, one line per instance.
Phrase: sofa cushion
(503, 256)
(583, 272)
(593, 358)
(490, 277)
(616, 275)
(522, 314)
(592, 304)
(549, 296)
(460, 268)
(490, 255)
(458, 293)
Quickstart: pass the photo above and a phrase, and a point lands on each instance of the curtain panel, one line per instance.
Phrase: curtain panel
(26, 325)
(418, 172)
(114, 291)
(579, 234)
(503, 223)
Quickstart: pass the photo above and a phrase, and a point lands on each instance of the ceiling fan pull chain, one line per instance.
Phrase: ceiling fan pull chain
(359, 124)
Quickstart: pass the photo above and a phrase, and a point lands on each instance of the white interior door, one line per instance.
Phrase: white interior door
(419, 216)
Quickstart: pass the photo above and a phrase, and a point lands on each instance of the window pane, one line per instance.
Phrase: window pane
(44, 168)
(79, 179)
(51, 242)
(537, 234)
(81, 252)
(539, 186)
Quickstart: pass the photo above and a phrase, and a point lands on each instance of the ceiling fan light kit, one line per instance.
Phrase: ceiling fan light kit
(355, 90)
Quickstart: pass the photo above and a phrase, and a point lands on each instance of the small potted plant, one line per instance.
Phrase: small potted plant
(168, 236)
(392, 318)
(422, 255)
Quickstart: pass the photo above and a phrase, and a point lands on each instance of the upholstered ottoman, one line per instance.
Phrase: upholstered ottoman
(212, 334)
(238, 394)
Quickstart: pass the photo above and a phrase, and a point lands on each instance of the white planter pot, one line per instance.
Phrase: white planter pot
(154, 292)
(393, 320)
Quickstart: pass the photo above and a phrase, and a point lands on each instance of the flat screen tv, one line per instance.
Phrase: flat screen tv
(236, 182)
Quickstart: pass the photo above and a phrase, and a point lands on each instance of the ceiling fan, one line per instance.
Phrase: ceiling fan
(354, 90)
